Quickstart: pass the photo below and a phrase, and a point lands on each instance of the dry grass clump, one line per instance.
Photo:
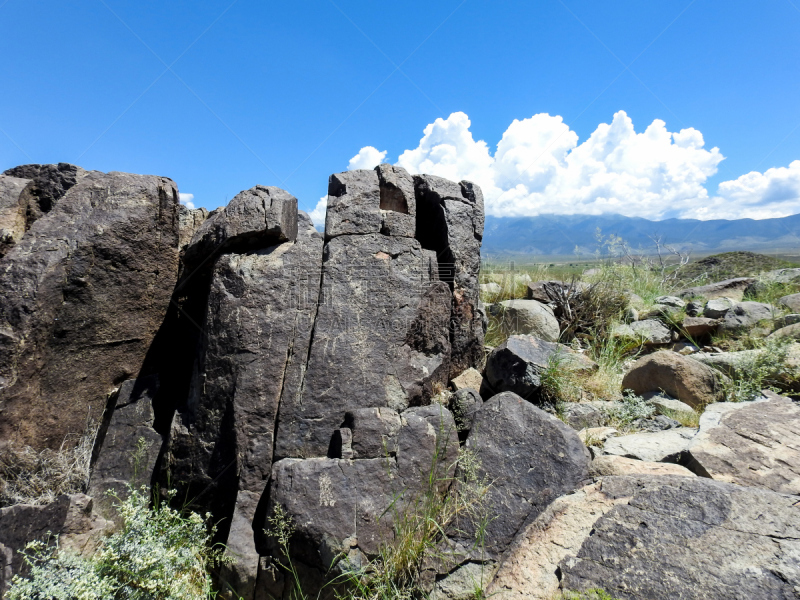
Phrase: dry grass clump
(29, 476)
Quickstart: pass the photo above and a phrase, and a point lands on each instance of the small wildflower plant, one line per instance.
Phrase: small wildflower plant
(158, 554)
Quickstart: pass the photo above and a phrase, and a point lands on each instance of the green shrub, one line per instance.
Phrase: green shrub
(158, 554)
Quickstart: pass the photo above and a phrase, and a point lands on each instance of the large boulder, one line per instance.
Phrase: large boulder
(792, 302)
(531, 458)
(745, 315)
(658, 537)
(527, 317)
(750, 443)
(683, 378)
(83, 294)
(732, 288)
(517, 364)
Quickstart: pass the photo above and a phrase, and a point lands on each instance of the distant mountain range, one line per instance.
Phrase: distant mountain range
(570, 235)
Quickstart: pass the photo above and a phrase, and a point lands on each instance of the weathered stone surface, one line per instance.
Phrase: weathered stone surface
(529, 569)
(690, 537)
(189, 221)
(464, 404)
(12, 211)
(603, 466)
(374, 431)
(82, 296)
(718, 307)
(746, 314)
(450, 222)
(527, 317)
(665, 405)
(260, 312)
(354, 200)
(658, 537)
(69, 516)
(398, 204)
(652, 332)
(659, 446)
(786, 320)
(790, 331)
(48, 184)
(471, 378)
(242, 573)
(792, 302)
(380, 339)
(732, 288)
(531, 456)
(580, 415)
(750, 443)
(782, 275)
(256, 218)
(681, 377)
(462, 583)
(699, 326)
(120, 459)
(671, 301)
(516, 365)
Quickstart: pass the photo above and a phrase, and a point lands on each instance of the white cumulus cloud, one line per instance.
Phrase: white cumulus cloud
(186, 200)
(540, 167)
(367, 158)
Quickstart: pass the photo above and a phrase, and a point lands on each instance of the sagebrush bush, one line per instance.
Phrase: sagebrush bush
(158, 554)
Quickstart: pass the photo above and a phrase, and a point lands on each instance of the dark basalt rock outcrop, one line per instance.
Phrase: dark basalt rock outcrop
(82, 295)
(261, 362)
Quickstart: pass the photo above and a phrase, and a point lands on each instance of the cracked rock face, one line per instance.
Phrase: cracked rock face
(83, 293)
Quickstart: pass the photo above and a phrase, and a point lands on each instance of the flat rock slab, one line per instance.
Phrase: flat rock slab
(658, 537)
(659, 446)
(732, 288)
(603, 466)
(753, 443)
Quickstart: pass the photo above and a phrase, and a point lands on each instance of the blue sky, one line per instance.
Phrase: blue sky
(222, 95)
